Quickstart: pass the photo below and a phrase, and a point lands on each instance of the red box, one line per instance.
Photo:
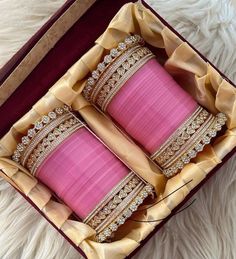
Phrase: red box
(14, 86)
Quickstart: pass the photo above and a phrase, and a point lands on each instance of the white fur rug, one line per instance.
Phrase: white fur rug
(206, 230)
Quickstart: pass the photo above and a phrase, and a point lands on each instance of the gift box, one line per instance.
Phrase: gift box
(36, 77)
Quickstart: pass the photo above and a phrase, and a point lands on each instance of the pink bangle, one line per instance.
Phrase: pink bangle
(152, 108)
(63, 154)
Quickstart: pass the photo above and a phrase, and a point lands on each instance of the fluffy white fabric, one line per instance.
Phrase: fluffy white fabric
(205, 230)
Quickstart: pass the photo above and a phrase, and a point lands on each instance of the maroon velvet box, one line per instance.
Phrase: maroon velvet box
(27, 90)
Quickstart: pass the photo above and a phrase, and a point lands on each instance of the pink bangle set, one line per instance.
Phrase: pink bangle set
(146, 102)
(92, 181)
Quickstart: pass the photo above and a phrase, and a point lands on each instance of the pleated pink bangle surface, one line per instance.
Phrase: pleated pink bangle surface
(81, 171)
(135, 90)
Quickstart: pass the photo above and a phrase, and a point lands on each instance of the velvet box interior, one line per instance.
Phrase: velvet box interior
(63, 53)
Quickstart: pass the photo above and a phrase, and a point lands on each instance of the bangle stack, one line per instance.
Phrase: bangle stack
(193, 131)
(50, 135)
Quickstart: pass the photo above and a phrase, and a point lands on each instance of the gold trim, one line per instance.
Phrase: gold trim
(130, 42)
(49, 149)
(106, 200)
(177, 133)
(118, 73)
(47, 133)
(181, 137)
(198, 135)
(41, 135)
(121, 207)
(125, 78)
(110, 69)
(124, 211)
(32, 132)
(202, 137)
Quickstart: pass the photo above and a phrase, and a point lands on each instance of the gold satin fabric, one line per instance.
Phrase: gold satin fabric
(200, 79)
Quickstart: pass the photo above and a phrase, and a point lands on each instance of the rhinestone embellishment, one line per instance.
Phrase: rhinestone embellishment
(39, 125)
(111, 81)
(127, 213)
(114, 53)
(219, 120)
(118, 206)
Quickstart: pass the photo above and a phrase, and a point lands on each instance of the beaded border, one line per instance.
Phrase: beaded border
(166, 148)
(41, 135)
(114, 53)
(104, 78)
(117, 73)
(106, 204)
(210, 131)
(188, 145)
(121, 206)
(38, 126)
(122, 74)
(109, 209)
(130, 206)
(50, 145)
(180, 137)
